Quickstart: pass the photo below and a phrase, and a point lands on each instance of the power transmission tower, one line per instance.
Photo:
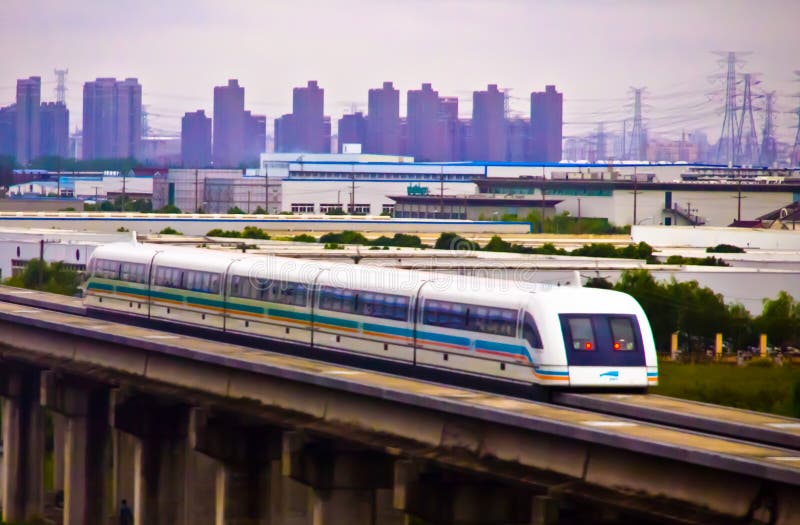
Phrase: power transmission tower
(746, 138)
(506, 102)
(768, 147)
(638, 145)
(61, 85)
(726, 147)
(600, 142)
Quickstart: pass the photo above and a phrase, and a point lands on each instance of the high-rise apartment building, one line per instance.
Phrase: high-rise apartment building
(425, 133)
(546, 125)
(229, 125)
(255, 138)
(305, 129)
(112, 118)
(352, 130)
(518, 133)
(54, 141)
(196, 140)
(8, 130)
(449, 124)
(29, 97)
(488, 125)
(383, 121)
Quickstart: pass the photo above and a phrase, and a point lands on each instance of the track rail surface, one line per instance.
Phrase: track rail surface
(758, 427)
(749, 426)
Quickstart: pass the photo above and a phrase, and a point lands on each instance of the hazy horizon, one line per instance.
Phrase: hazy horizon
(592, 51)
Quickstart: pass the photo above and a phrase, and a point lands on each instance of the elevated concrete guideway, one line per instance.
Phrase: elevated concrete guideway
(170, 394)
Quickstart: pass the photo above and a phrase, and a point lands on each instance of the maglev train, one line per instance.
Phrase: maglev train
(565, 336)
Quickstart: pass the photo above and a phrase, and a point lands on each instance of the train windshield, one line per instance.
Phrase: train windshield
(602, 340)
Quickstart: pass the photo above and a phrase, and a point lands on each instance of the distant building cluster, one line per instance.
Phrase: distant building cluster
(30, 128)
(431, 130)
(114, 126)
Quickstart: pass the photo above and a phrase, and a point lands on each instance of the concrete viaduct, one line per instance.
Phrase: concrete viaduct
(191, 431)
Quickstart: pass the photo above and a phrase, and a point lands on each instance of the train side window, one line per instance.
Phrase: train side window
(581, 333)
(623, 334)
(214, 287)
(236, 286)
(385, 306)
(530, 333)
(445, 314)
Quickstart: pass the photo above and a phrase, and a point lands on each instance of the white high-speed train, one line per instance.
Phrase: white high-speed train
(560, 336)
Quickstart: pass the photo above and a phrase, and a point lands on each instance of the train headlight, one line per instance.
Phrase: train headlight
(588, 345)
(617, 346)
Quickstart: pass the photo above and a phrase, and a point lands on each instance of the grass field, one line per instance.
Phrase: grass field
(758, 387)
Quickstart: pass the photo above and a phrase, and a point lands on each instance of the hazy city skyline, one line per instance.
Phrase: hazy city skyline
(593, 52)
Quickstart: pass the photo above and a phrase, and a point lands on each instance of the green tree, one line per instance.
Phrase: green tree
(740, 326)
(169, 208)
(345, 237)
(48, 277)
(599, 282)
(169, 231)
(304, 237)
(254, 232)
(780, 320)
(496, 244)
(235, 210)
(455, 242)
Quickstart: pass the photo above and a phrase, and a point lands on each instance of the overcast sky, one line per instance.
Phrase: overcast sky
(592, 50)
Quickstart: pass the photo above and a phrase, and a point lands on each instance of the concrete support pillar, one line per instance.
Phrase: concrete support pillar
(290, 499)
(164, 476)
(243, 453)
(449, 498)
(345, 479)
(59, 431)
(23, 445)
(86, 449)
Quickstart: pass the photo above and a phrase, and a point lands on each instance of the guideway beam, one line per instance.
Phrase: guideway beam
(23, 444)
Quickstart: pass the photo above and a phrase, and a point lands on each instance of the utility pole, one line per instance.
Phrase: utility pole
(635, 194)
(196, 189)
(441, 191)
(739, 202)
(794, 160)
(543, 204)
(123, 189)
(579, 215)
(41, 262)
(266, 190)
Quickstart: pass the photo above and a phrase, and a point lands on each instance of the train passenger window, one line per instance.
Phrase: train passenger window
(623, 334)
(214, 285)
(236, 286)
(492, 320)
(337, 299)
(581, 333)
(445, 314)
(530, 333)
(385, 306)
(108, 269)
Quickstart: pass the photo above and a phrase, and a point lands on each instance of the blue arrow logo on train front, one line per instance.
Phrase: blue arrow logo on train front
(613, 374)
